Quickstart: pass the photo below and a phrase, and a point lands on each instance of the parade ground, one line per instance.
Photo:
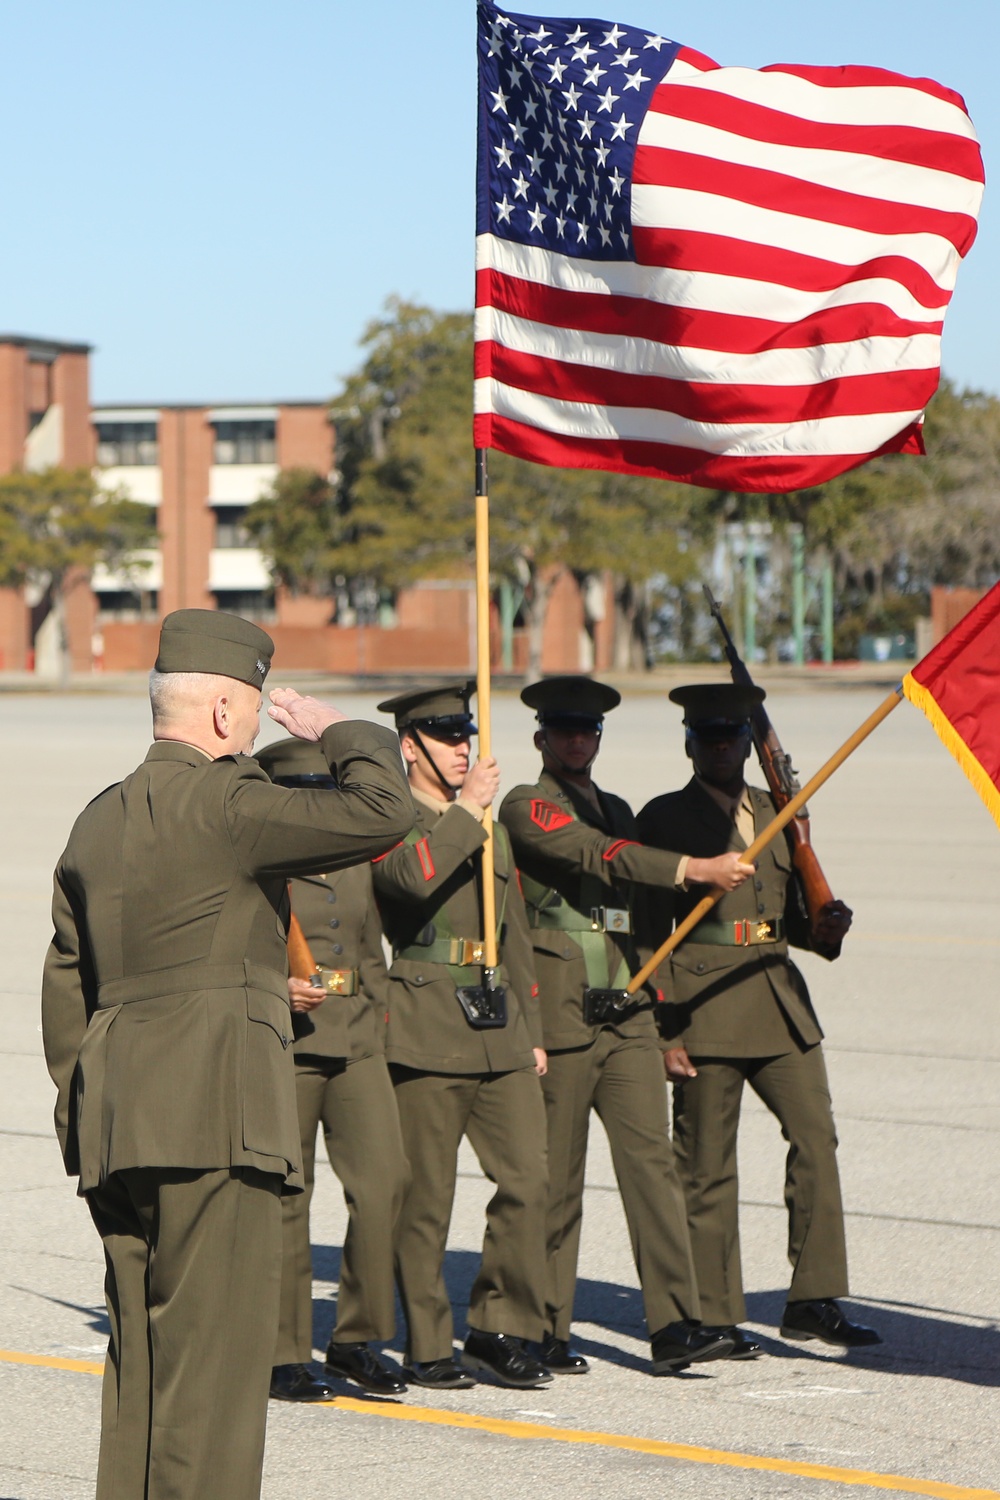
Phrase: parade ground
(912, 1018)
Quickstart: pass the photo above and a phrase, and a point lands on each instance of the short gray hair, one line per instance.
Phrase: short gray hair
(172, 695)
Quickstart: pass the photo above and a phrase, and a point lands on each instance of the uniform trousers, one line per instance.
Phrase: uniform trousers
(706, 1118)
(503, 1115)
(622, 1079)
(193, 1272)
(356, 1106)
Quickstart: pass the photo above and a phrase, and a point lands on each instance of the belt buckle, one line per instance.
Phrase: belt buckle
(470, 951)
(741, 933)
(764, 931)
(610, 919)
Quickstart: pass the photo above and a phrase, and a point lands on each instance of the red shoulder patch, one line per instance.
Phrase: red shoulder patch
(548, 815)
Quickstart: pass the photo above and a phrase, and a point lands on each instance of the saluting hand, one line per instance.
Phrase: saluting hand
(482, 782)
(304, 717)
(727, 871)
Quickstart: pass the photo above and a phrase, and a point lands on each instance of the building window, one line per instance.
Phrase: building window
(126, 606)
(250, 442)
(252, 604)
(127, 444)
(229, 528)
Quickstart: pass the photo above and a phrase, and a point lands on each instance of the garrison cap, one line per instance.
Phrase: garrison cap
(293, 758)
(717, 704)
(207, 640)
(571, 700)
(443, 707)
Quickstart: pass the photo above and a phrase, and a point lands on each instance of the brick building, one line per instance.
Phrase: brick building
(200, 467)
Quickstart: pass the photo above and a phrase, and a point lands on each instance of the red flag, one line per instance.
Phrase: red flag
(957, 685)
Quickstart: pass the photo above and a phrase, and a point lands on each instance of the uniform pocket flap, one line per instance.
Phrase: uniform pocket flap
(700, 958)
(271, 1011)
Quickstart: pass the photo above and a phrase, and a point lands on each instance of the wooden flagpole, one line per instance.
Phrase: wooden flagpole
(786, 815)
(483, 683)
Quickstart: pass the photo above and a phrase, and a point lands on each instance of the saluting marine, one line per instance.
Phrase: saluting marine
(464, 1059)
(584, 876)
(166, 1024)
(739, 1012)
(341, 1082)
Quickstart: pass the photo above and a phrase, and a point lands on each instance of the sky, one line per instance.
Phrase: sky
(220, 197)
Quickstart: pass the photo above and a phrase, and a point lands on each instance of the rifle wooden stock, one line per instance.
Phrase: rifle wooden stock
(301, 964)
(780, 778)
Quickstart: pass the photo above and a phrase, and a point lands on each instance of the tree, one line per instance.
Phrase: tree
(295, 525)
(57, 522)
(405, 455)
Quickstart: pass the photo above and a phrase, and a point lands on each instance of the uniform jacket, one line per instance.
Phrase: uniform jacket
(727, 1001)
(340, 923)
(569, 855)
(164, 1002)
(427, 1027)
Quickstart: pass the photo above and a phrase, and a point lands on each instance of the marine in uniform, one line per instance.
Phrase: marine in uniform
(584, 876)
(341, 1082)
(462, 1065)
(166, 1024)
(738, 1013)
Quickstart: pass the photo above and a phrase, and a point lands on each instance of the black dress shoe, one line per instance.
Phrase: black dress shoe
(681, 1344)
(744, 1347)
(506, 1358)
(437, 1375)
(298, 1383)
(824, 1320)
(558, 1358)
(362, 1365)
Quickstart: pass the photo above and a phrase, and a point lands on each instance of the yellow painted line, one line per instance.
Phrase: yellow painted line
(717, 1456)
(50, 1362)
(470, 1422)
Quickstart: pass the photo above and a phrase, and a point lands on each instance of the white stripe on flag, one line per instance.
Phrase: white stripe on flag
(857, 104)
(843, 171)
(704, 291)
(579, 419)
(777, 367)
(682, 209)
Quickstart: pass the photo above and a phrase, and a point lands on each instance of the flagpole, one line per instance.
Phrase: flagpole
(483, 684)
(762, 840)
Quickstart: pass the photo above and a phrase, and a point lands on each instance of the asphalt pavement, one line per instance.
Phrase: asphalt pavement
(913, 1044)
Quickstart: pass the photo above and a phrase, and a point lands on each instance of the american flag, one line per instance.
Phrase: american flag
(729, 277)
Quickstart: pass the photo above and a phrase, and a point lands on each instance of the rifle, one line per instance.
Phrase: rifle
(780, 777)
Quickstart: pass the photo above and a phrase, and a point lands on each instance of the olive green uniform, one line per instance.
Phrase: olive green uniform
(342, 1082)
(453, 1080)
(166, 1026)
(744, 1015)
(580, 865)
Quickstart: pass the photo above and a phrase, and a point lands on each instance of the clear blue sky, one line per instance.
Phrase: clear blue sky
(221, 195)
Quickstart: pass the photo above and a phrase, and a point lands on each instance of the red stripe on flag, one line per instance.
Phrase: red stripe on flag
(855, 76)
(694, 250)
(782, 193)
(730, 333)
(906, 144)
(748, 473)
(709, 401)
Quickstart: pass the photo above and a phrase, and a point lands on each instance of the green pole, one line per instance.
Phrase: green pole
(799, 594)
(508, 609)
(750, 600)
(828, 612)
